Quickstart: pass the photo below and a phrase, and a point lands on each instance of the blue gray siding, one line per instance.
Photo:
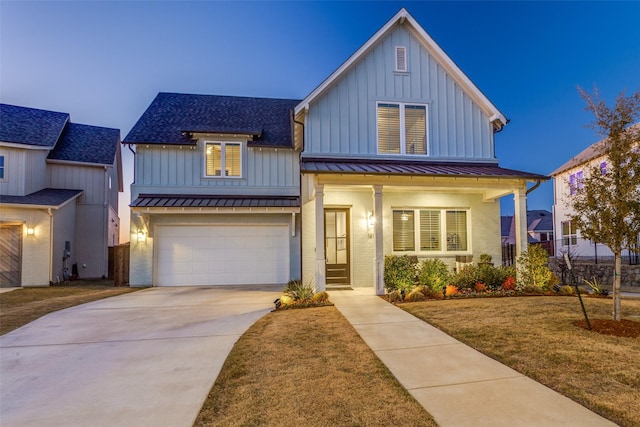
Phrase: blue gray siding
(343, 120)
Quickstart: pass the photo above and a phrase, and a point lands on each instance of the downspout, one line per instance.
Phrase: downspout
(50, 246)
(105, 226)
(293, 118)
(537, 184)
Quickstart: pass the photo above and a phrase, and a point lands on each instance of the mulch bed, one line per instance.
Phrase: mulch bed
(624, 328)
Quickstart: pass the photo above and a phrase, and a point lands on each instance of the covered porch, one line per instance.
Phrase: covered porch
(355, 213)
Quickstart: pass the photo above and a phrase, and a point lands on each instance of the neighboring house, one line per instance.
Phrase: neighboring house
(392, 154)
(59, 184)
(539, 227)
(567, 180)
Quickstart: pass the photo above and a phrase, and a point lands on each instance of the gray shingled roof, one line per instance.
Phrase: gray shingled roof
(399, 167)
(86, 144)
(172, 116)
(50, 197)
(30, 126)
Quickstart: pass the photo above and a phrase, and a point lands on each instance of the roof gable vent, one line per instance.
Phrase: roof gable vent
(401, 58)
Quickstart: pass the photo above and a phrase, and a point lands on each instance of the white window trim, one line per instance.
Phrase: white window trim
(406, 67)
(569, 236)
(403, 141)
(443, 232)
(223, 160)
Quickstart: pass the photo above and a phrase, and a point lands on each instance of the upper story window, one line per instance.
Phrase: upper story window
(223, 159)
(575, 182)
(603, 168)
(401, 59)
(1, 167)
(402, 129)
(430, 230)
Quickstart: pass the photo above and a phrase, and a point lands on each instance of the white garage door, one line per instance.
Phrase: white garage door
(221, 255)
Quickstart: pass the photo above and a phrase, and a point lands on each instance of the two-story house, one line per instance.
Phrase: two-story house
(392, 154)
(59, 185)
(567, 180)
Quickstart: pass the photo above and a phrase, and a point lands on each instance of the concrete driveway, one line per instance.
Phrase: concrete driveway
(147, 358)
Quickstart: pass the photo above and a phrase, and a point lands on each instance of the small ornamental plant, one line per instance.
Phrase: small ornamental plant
(480, 287)
(509, 284)
(451, 290)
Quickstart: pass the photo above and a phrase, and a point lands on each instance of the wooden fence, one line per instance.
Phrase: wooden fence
(119, 264)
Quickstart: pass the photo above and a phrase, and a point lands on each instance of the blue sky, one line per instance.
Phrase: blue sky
(103, 62)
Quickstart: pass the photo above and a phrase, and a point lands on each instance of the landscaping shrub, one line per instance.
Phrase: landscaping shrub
(299, 291)
(434, 274)
(415, 295)
(451, 290)
(480, 287)
(534, 269)
(399, 272)
(566, 290)
(466, 277)
(321, 296)
(394, 296)
(509, 284)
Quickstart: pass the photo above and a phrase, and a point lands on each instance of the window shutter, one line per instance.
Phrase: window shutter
(403, 231)
(415, 118)
(388, 128)
(429, 230)
(401, 58)
(456, 230)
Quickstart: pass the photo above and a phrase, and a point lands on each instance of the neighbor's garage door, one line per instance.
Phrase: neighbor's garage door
(221, 255)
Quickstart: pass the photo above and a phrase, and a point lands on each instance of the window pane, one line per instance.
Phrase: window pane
(429, 230)
(403, 231)
(456, 230)
(389, 128)
(232, 159)
(415, 118)
(214, 160)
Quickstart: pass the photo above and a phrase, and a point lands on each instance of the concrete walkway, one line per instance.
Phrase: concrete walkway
(456, 384)
(146, 358)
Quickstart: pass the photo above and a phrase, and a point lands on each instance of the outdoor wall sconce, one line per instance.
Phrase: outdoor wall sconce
(31, 231)
(141, 236)
(371, 222)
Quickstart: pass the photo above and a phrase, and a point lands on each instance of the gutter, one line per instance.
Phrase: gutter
(536, 185)
(293, 118)
(50, 246)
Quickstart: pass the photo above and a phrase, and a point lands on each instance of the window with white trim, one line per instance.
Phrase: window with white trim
(401, 59)
(576, 182)
(223, 159)
(569, 233)
(430, 230)
(1, 167)
(603, 168)
(402, 128)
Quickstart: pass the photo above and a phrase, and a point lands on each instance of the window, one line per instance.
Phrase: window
(1, 167)
(575, 182)
(402, 129)
(430, 228)
(603, 168)
(223, 159)
(569, 233)
(401, 58)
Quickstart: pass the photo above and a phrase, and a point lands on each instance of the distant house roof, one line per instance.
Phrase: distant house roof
(198, 201)
(48, 198)
(591, 152)
(505, 225)
(86, 144)
(172, 118)
(30, 126)
(400, 167)
(539, 220)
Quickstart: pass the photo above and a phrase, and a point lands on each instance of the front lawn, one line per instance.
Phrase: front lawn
(537, 337)
(21, 306)
(307, 367)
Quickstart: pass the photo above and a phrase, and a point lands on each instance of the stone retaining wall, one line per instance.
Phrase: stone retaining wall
(602, 272)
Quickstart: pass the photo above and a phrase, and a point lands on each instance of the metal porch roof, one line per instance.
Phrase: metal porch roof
(208, 201)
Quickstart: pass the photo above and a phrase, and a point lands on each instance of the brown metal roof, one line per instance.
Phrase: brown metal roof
(394, 167)
(207, 201)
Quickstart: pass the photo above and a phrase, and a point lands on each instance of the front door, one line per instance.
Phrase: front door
(10, 255)
(336, 230)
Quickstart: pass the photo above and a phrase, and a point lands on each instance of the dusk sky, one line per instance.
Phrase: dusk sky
(104, 62)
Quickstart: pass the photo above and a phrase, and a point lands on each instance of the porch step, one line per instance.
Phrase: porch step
(339, 288)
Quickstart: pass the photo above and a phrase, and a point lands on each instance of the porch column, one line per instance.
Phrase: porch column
(320, 276)
(520, 217)
(378, 261)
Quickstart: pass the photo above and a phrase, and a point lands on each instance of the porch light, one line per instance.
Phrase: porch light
(141, 236)
(31, 231)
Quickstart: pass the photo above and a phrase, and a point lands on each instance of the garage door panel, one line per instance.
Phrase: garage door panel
(221, 255)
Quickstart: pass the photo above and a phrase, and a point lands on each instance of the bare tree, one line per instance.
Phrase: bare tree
(606, 204)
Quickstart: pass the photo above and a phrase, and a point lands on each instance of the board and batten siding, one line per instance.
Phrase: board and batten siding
(91, 179)
(181, 170)
(343, 120)
(17, 182)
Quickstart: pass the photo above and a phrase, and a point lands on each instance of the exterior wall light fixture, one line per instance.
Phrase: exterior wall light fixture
(141, 236)
(31, 231)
